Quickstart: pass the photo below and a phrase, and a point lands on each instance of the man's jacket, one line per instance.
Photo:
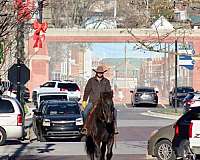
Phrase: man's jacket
(94, 87)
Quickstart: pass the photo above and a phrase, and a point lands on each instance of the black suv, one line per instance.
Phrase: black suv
(57, 119)
(182, 91)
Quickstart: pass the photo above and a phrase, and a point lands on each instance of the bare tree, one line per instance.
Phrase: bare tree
(13, 15)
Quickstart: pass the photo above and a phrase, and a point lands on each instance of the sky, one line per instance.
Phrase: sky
(117, 50)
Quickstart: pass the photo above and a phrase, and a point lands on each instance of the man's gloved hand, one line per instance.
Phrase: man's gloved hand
(84, 104)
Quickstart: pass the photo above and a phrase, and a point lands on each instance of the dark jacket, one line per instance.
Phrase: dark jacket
(94, 87)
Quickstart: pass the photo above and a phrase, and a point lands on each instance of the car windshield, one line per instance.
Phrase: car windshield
(62, 109)
(49, 84)
(145, 90)
(185, 90)
(68, 86)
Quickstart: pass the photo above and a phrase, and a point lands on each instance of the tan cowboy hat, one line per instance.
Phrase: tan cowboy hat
(100, 69)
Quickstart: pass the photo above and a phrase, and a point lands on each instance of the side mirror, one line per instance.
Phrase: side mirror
(131, 91)
(170, 92)
(157, 91)
(36, 112)
(41, 85)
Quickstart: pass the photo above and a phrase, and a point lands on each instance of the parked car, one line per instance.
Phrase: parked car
(12, 91)
(67, 86)
(160, 143)
(182, 91)
(144, 95)
(186, 141)
(12, 119)
(191, 100)
(57, 119)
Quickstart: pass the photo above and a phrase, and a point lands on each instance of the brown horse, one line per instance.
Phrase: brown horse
(101, 128)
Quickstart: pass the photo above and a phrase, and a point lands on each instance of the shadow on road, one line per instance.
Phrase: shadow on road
(46, 149)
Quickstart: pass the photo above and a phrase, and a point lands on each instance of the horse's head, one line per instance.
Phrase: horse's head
(107, 106)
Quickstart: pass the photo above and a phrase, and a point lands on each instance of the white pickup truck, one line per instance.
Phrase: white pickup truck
(194, 139)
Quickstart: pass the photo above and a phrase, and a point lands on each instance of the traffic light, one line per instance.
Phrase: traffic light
(1, 52)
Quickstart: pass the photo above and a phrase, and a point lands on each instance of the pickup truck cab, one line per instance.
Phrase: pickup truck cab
(194, 138)
(186, 141)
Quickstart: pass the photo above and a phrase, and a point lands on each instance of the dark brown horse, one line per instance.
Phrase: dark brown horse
(100, 137)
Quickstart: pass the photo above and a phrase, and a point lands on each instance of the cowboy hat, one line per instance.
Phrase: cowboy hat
(100, 69)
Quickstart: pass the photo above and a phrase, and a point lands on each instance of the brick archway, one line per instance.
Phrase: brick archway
(39, 61)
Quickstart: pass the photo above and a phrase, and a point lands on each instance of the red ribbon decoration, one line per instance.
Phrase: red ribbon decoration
(24, 10)
(38, 27)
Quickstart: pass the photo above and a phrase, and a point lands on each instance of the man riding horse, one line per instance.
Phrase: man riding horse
(94, 87)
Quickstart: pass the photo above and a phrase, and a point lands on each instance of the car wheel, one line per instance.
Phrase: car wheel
(164, 151)
(2, 136)
(186, 152)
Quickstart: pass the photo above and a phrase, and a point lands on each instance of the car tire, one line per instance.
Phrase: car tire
(164, 151)
(2, 136)
(185, 151)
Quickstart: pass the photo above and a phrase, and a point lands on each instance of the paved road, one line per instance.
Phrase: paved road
(131, 143)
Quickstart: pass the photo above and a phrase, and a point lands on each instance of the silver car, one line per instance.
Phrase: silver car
(144, 95)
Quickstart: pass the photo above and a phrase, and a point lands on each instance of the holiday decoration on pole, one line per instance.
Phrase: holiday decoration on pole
(24, 10)
(39, 27)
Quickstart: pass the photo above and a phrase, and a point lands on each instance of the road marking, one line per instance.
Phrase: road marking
(163, 105)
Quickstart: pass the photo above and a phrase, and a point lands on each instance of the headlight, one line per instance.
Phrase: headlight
(46, 122)
(79, 121)
(153, 133)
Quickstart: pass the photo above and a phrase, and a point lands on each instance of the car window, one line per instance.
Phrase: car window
(6, 106)
(185, 90)
(189, 96)
(145, 90)
(62, 109)
(68, 86)
(52, 97)
(49, 84)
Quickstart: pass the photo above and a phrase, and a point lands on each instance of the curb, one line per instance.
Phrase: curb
(161, 115)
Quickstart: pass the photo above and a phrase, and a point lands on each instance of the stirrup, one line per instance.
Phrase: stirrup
(116, 132)
(84, 131)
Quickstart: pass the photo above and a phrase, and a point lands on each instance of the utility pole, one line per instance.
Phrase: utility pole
(175, 79)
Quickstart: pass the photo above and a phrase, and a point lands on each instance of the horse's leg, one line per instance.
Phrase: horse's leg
(109, 148)
(92, 156)
(98, 151)
(103, 150)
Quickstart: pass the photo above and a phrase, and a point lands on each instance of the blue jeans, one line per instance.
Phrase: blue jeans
(87, 110)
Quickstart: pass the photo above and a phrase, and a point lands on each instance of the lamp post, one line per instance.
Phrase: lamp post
(175, 79)
(40, 10)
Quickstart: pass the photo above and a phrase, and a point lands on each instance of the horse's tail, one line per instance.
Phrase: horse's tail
(90, 145)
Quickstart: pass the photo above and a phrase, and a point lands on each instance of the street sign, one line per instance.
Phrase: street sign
(186, 61)
(24, 74)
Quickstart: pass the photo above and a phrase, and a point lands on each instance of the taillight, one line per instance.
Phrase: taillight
(19, 120)
(78, 89)
(63, 89)
(190, 130)
(176, 130)
(190, 102)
